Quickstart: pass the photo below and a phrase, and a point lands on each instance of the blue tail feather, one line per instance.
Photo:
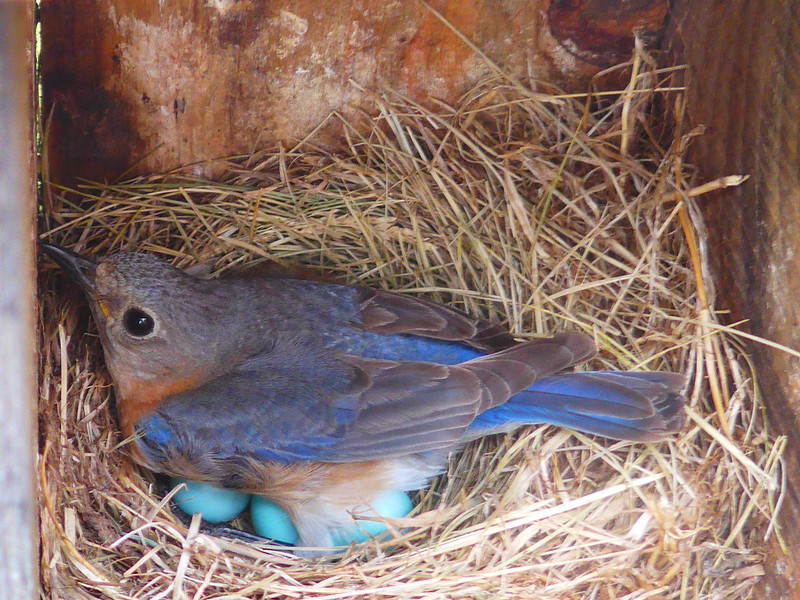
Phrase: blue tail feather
(622, 405)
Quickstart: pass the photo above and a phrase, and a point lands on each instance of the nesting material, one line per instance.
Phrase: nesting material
(542, 211)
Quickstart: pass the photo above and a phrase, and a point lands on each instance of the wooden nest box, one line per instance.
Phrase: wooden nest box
(146, 87)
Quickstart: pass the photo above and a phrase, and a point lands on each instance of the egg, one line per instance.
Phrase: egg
(271, 521)
(391, 504)
(215, 504)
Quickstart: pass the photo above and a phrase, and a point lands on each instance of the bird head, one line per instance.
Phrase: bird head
(156, 322)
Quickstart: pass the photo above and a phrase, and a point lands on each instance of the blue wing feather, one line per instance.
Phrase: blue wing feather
(404, 347)
(300, 403)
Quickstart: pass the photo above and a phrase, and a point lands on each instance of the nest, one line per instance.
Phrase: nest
(539, 210)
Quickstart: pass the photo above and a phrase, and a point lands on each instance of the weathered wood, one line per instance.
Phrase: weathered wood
(171, 83)
(745, 86)
(599, 31)
(18, 522)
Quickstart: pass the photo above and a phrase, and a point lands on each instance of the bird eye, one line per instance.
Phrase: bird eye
(138, 323)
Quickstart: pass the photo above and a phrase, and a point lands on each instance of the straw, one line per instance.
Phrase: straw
(541, 211)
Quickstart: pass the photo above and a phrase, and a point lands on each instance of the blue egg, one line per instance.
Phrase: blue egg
(215, 504)
(391, 504)
(271, 521)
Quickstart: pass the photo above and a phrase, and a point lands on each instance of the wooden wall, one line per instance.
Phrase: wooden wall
(151, 85)
(18, 523)
(745, 87)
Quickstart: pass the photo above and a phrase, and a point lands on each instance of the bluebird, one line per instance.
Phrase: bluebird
(320, 396)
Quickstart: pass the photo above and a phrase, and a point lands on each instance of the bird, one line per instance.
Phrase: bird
(320, 395)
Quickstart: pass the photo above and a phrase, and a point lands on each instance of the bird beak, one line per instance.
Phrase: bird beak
(82, 270)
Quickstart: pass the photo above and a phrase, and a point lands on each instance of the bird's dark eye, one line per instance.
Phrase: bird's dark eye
(138, 323)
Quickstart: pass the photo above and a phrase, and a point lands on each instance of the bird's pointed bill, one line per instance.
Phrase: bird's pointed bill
(80, 269)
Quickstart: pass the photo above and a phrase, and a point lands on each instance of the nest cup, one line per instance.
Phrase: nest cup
(539, 210)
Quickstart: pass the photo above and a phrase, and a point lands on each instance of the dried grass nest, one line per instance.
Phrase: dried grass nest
(539, 210)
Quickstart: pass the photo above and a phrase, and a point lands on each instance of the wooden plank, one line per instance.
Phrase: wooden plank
(165, 84)
(744, 60)
(18, 520)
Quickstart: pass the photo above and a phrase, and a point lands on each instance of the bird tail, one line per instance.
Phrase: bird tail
(637, 406)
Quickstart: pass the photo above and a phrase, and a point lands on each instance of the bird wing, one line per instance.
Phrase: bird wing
(298, 407)
(391, 313)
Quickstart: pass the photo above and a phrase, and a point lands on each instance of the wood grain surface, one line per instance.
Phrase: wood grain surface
(744, 60)
(149, 86)
(18, 509)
